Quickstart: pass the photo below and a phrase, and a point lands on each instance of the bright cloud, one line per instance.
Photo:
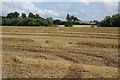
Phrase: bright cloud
(84, 10)
(26, 7)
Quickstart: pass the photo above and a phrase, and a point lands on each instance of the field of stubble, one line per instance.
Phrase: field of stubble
(59, 52)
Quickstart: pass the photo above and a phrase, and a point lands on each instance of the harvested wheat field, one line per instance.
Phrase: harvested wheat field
(59, 52)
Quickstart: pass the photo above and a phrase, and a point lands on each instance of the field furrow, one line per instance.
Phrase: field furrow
(70, 52)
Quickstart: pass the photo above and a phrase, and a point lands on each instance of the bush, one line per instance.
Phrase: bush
(68, 24)
(92, 25)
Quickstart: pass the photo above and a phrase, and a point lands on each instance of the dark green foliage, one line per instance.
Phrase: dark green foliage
(16, 14)
(50, 21)
(37, 16)
(68, 17)
(23, 15)
(69, 24)
(76, 19)
(13, 15)
(13, 19)
(7, 22)
(1, 20)
(57, 22)
(10, 15)
(72, 18)
(30, 15)
(110, 21)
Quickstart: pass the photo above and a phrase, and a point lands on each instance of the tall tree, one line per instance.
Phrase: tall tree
(37, 16)
(23, 15)
(68, 17)
(72, 18)
(16, 14)
(31, 15)
(76, 19)
(10, 15)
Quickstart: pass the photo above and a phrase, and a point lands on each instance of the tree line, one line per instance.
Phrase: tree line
(14, 19)
(110, 21)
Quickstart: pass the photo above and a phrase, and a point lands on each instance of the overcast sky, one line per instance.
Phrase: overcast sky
(85, 11)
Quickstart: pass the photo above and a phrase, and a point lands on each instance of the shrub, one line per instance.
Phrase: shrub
(68, 24)
(92, 25)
